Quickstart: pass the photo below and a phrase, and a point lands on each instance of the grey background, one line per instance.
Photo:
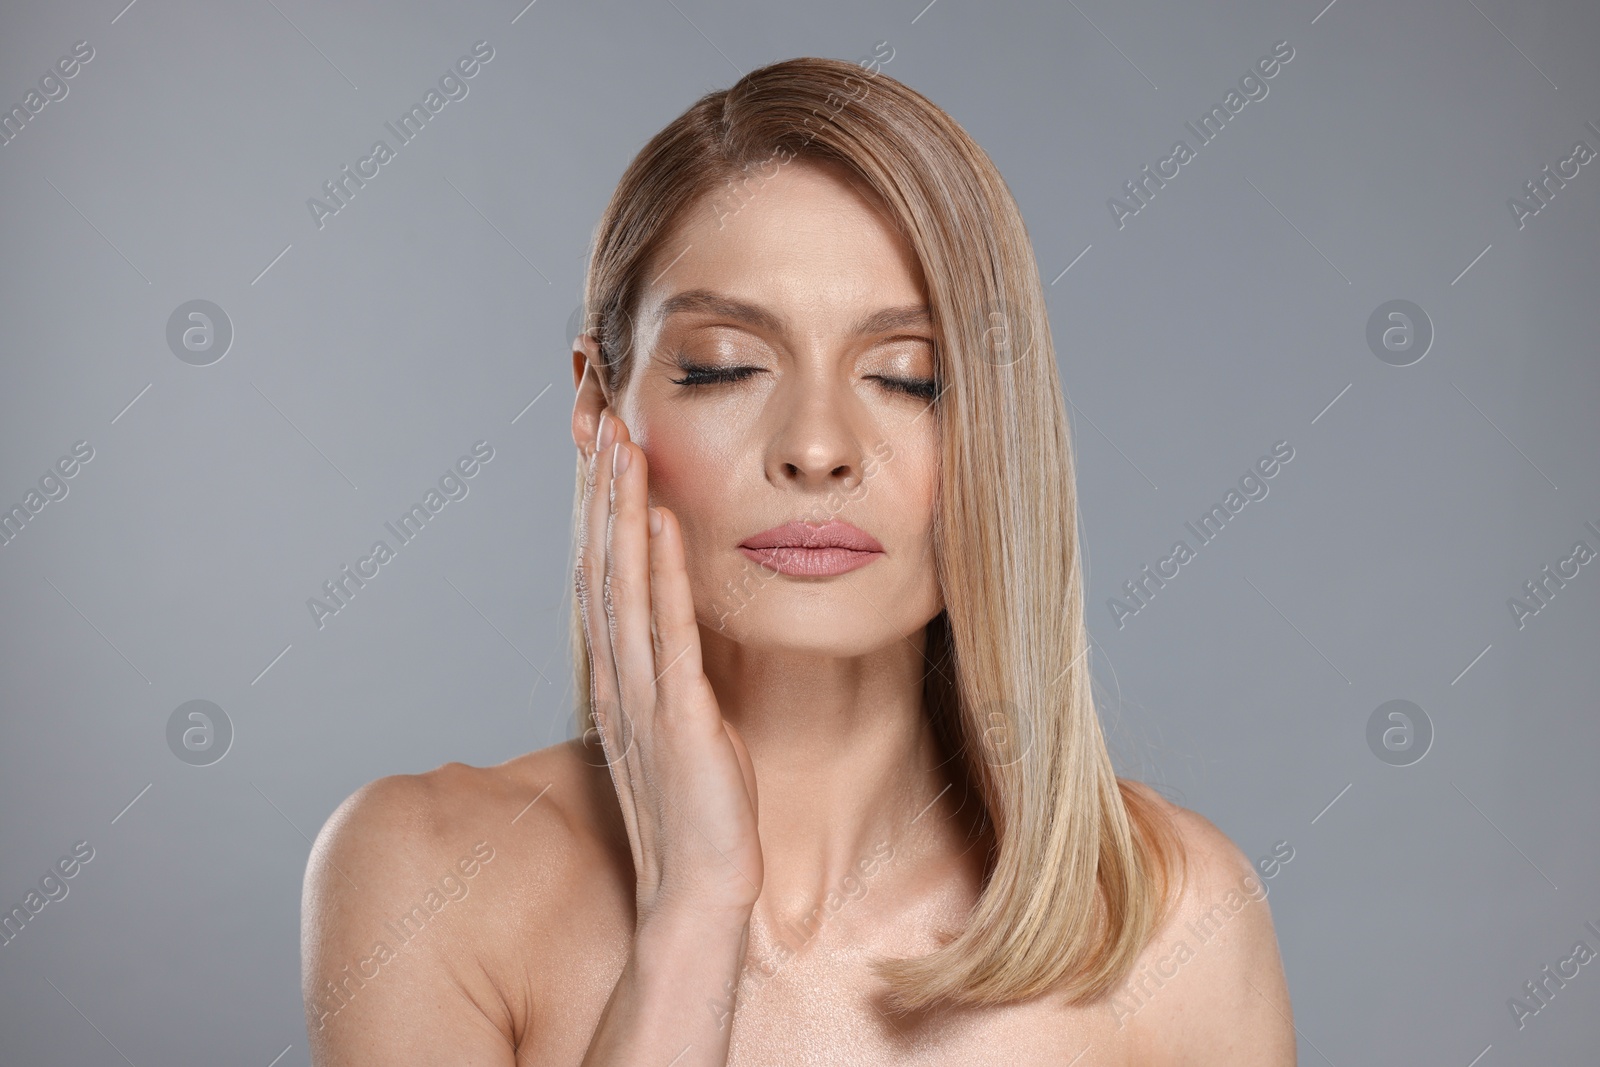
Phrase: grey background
(432, 311)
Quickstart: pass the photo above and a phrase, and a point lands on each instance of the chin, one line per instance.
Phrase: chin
(836, 639)
(822, 618)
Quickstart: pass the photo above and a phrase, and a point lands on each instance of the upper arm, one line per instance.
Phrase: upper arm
(387, 971)
(1211, 989)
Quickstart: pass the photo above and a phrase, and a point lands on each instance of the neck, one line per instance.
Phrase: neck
(848, 769)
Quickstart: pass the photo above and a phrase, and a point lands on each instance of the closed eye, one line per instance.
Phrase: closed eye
(921, 388)
(697, 376)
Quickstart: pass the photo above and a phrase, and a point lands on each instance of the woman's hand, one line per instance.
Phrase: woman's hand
(682, 774)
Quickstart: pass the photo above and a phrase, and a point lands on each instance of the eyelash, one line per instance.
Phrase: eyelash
(697, 376)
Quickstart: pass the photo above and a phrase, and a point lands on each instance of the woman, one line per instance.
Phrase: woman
(841, 794)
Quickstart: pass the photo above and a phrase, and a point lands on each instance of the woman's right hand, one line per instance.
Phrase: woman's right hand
(682, 774)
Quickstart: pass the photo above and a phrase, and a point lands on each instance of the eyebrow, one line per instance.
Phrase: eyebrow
(704, 300)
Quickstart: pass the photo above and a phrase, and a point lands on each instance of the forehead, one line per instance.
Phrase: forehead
(808, 242)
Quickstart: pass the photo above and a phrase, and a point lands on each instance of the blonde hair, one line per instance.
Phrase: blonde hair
(1082, 863)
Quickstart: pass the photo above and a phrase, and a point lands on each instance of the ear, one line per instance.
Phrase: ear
(591, 399)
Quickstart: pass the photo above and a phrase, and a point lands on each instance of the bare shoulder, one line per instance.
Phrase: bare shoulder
(1209, 987)
(416, 887)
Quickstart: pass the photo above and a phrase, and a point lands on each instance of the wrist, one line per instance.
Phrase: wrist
(675, 951)
(678, 925)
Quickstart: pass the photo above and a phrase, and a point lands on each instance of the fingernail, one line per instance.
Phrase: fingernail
(655, 522)
(607, 431)
(619, 459)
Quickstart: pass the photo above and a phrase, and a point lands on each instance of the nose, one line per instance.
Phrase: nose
(817, 446)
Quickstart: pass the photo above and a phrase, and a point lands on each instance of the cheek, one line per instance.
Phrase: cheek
(920, 499)
(906, 478)
(906, 484)
(690, 473)
(693, 472)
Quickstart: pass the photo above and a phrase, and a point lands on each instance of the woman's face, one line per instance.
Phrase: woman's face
(808, 294)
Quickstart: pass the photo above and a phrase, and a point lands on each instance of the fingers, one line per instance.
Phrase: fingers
(616, 733)
(677, 635)
(628, 579)
(591, 576)
(621, 487)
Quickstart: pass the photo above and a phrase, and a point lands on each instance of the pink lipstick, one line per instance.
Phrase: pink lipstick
(801, 549)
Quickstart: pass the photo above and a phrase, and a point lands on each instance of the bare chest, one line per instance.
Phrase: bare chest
(820, 1005)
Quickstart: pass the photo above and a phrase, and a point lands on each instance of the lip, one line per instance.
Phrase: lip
(803, 550)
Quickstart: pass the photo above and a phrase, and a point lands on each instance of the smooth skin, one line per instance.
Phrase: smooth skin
(766, 810)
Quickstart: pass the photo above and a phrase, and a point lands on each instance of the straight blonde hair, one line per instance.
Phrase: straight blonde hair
(1082, 863)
